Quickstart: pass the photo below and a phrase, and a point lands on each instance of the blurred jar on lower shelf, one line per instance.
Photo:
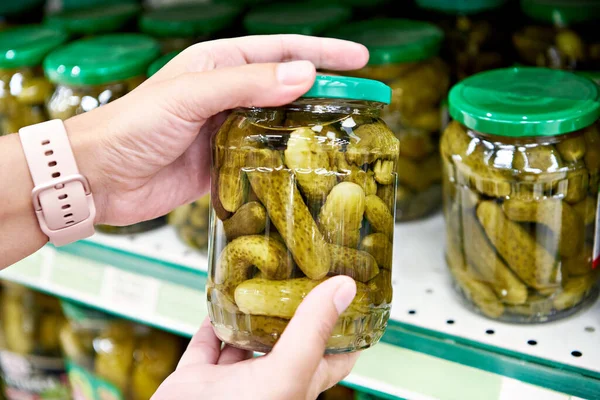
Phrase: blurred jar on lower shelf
(191, 221)
(111, 358)
(31, 365)
(23, 87)
(404, 55)
(338, 392)
(90, 73)
(521, 179)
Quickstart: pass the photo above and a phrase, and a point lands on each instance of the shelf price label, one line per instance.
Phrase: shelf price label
(127, 291)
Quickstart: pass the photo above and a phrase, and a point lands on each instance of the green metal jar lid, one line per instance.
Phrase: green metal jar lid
(342, 87)
(189, 20)
(27, 46)
(460, 6)
(94, 20)
(518, 102)
(394, 40)
(593, 75)
(161, 62)
(102, 59)
(295, 18)
(562, 12)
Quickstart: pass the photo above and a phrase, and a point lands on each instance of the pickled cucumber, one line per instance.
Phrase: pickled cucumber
(366, 180)
(579, 264)
(371, 142)
(572, 149)
(574, 289)
(114, 360)
(380, 247)
(277, 192)
(342, 214)
(586, 209)
(379, 216)
(249, 219)
(357, 264)
(478, 292)
(529, 260)
(384, 172)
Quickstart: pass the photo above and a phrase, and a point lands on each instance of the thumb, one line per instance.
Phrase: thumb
(200, 95)
(306, 336)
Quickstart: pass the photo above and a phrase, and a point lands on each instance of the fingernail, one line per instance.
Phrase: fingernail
(294, 72)
(344, 295)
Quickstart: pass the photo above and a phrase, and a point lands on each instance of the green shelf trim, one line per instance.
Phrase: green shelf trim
(558, 377)
(372, 392)
(139, 264)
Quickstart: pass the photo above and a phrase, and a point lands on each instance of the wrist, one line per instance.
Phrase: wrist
(86, 144)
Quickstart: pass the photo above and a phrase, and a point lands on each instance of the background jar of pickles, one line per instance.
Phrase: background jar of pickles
(404, 55)
(294, 200)
(107, 357)
(192, 222)
(560, 34)
(177, 27)
(23, 87)
(30, 362)
(521, 172)
(295, 18)
(95, 19)
(89, 73)
(477, 33)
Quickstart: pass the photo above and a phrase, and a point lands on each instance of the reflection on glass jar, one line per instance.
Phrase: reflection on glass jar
(404, 55)
(23, 87)
(89, 73)
(477, 33)
(294, 200)
(30, 362)
(295, 18)
(560, 34)
(191, 222)
(177, 27)
(521, 173)
(95, 19)
(107, 357)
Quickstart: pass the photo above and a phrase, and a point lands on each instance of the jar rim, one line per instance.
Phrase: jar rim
(93, 20)
(525, 101)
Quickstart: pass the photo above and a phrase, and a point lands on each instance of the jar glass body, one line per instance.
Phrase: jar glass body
(68, 101)
(23, 93)
(474, 42)
(416, 116)
(521, 221)
(192, 222)
(573, 47)
(117, 357)
(30, 323)
(300, 193)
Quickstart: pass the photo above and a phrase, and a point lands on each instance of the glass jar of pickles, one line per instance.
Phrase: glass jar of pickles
(521, 173)
(179, 26)
(31, 366)
(561, 34)
(110, 358)
(473, 42)
(192, 222)
(404, 55)
(94, 20)
(89, 73)
(23, 87)
(295, 18)
(300, 193)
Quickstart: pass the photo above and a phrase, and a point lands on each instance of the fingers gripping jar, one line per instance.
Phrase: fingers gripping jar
(294, 200)
(404, 55)
(111, 358)
(477, 34)
(521, 171)
(89, 73)
(23, 87)
(177, 27)
(561, 34)
(31, 366)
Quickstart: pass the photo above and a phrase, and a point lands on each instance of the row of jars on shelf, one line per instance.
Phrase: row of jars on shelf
(60, 350)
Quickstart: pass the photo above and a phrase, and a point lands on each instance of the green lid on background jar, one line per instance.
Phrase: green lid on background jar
(460, 6)
(295, 18)
(102, 59)
(15, 7)
(393, 40)
(27, 46)
(524, 101)
(342, 87)
(562, 12)
(94, 20)
(593, 75)
(189, 20)
(161, 62)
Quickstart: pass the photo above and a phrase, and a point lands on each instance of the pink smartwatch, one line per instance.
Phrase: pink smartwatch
(61, 196)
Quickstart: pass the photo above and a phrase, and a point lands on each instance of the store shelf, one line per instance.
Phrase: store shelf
(154, 279)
